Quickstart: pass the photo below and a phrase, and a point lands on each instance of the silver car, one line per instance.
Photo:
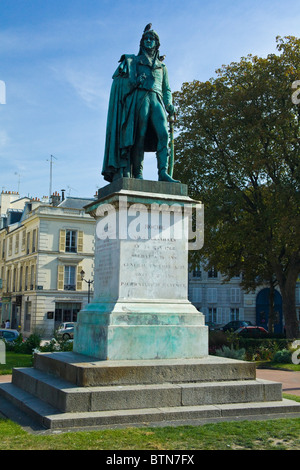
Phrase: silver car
(66, 330)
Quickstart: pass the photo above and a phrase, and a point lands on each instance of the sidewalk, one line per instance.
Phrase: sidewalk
(290, 380)
(5, 378)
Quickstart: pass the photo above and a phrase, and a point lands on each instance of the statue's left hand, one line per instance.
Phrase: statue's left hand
(170, 109)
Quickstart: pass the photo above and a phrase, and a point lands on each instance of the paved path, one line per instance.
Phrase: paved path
(5, 378)
(290, 380)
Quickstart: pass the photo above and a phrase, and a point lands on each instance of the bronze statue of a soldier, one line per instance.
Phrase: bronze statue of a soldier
(137, 115)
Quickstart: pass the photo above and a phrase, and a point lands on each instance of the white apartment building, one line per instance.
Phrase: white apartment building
(42, 256)
(222, 302)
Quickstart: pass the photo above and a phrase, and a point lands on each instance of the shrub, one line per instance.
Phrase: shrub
(24, 347)
(231, 353)
(217, 339)
(56, 345)
(283, 357)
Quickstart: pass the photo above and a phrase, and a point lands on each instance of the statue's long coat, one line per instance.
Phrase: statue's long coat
(121, 119)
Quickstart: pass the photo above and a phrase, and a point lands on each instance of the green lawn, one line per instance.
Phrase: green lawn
(276, 434)
(280, 434)
(15, 360)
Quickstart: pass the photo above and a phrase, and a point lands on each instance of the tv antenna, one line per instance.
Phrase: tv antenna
(51, 163)
(71, 189)
(19, 179)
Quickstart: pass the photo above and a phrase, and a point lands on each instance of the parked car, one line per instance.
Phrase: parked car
(235, 324)
(9, 335)
(252, 332)
(211, 325)
(66, 330)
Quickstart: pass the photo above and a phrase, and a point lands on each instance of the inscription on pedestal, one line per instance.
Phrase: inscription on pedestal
(106, 269)
(157, 270)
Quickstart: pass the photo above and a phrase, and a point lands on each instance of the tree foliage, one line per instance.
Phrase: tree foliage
(238, 149)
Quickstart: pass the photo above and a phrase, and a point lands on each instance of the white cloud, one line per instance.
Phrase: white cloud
(86, 83)
(4, 139)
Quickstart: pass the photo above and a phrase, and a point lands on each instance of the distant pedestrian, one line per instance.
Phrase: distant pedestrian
(7, 324)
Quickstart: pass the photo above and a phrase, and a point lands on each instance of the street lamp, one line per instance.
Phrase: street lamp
(89, 282)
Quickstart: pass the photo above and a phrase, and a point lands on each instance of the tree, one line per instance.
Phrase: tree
(238, 150)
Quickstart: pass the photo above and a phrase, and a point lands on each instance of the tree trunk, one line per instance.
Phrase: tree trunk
(287, 284)
(271, 308)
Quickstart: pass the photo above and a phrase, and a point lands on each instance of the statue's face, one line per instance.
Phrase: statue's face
(149, 41)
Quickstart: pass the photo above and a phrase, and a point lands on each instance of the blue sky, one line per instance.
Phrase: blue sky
(57, 58)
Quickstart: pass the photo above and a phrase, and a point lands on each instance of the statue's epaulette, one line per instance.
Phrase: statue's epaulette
(126, 56)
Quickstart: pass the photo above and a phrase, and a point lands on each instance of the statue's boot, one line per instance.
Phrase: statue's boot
(162, 165)
(138, 164)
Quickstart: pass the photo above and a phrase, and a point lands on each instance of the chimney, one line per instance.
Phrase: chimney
(55, 199)
(62, 195)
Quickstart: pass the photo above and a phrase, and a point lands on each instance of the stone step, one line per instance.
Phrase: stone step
(53, 419)
(66, 397)
(85, 371)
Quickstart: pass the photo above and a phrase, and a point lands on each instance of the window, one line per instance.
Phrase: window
(23, 240)
(27, 318)
(10, 243)
(21, 278)
(234, 314)
(71, 238)
(235, 295)
(197, 272)
(70, 278)
(197, 294)
(212, 315)
(8, 281)
(14, 280)
(32, 276)
(34, 240)
(17, 243)
(222, 315)
(212, 295)
(28, 243)
(65, 312)
(26, 278)
(212, 273)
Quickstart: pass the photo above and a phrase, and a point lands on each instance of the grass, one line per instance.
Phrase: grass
(280, 434)
(292, 367)
(15, 360)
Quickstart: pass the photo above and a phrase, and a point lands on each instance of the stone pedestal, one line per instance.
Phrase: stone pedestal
(158, 370)
(65, 391)
(140, 308)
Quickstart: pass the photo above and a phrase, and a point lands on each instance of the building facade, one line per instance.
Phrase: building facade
(45, 247)
(222, 302)
(42, 260)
